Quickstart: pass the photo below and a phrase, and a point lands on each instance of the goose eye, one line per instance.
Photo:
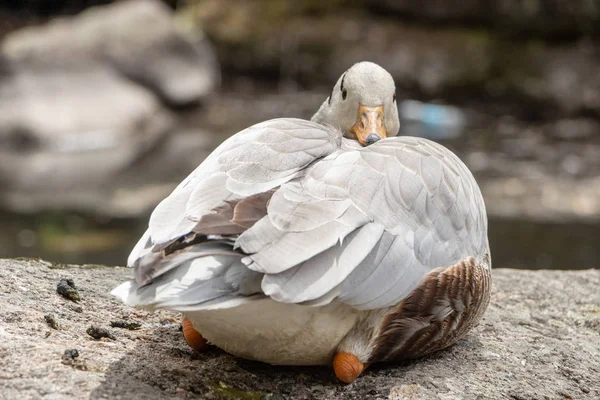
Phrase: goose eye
(394, 98)
(344, 94)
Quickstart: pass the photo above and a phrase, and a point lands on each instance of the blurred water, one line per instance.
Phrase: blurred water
(69, 238)
(79, 239)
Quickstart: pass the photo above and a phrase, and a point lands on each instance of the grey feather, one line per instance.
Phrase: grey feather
(278, 251)
(142, 247)
(319, 218)
(251, 209)
(155, 264)
(196, 283)
(319, 275)
(248, 163)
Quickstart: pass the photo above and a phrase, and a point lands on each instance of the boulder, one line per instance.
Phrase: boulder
(85, 99)
(537, 340)
(65, 135)
(63, 128)
(139, 39)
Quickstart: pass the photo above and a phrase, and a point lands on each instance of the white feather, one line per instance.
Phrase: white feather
(319, 275)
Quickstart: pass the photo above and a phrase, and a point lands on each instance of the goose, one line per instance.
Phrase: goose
(323, 242)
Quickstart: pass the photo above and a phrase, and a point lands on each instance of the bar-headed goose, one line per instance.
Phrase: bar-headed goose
(326, 241)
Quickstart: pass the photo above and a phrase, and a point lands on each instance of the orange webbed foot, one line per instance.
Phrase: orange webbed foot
(347, 367)
(193, 337)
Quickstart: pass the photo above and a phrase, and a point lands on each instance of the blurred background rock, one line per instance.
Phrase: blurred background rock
(106, 105)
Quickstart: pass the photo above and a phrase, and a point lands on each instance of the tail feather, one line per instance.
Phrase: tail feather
(203, 276)
(153, 265)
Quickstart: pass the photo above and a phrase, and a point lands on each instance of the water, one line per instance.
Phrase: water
(81, 239)
(69, 238)
(530, 244)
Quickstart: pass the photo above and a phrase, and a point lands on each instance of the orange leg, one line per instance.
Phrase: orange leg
(347, 367)
(193, 337)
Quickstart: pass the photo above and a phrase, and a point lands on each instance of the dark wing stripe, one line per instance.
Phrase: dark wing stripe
(440, 311)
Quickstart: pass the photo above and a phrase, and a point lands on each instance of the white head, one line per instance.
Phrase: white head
(362, 104)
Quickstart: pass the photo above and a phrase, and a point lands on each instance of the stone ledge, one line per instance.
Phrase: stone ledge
(540, 339)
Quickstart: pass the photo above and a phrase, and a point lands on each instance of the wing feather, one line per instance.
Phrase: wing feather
(243, 166)
(322, 273)
(319, 219)
(277, 251)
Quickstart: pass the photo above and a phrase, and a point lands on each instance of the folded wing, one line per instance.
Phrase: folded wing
(365, 225)
(306, 217)
(229, 191)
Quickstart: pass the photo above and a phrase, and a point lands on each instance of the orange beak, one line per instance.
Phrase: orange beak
(370, 125)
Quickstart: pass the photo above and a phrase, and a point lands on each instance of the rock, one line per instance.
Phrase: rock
(538, 339)
(66, 288)
(83, 102)
(68, 132)
(99, 333)
(51, 321)
(71, 354)
(132, 326)
(137, 38)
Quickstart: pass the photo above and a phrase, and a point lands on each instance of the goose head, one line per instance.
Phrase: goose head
(362, 104)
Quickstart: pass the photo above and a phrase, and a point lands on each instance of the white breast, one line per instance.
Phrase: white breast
(277, 333)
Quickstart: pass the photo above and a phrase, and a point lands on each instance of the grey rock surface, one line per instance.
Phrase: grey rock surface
(540, 339)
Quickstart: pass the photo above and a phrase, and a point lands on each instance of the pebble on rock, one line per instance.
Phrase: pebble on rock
(99, 333)
(132, 326)
(66, 288)
(51, 321)
(71, 354)
(70, 357)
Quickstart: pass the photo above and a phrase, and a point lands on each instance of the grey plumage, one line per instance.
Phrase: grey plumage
(314, 218)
